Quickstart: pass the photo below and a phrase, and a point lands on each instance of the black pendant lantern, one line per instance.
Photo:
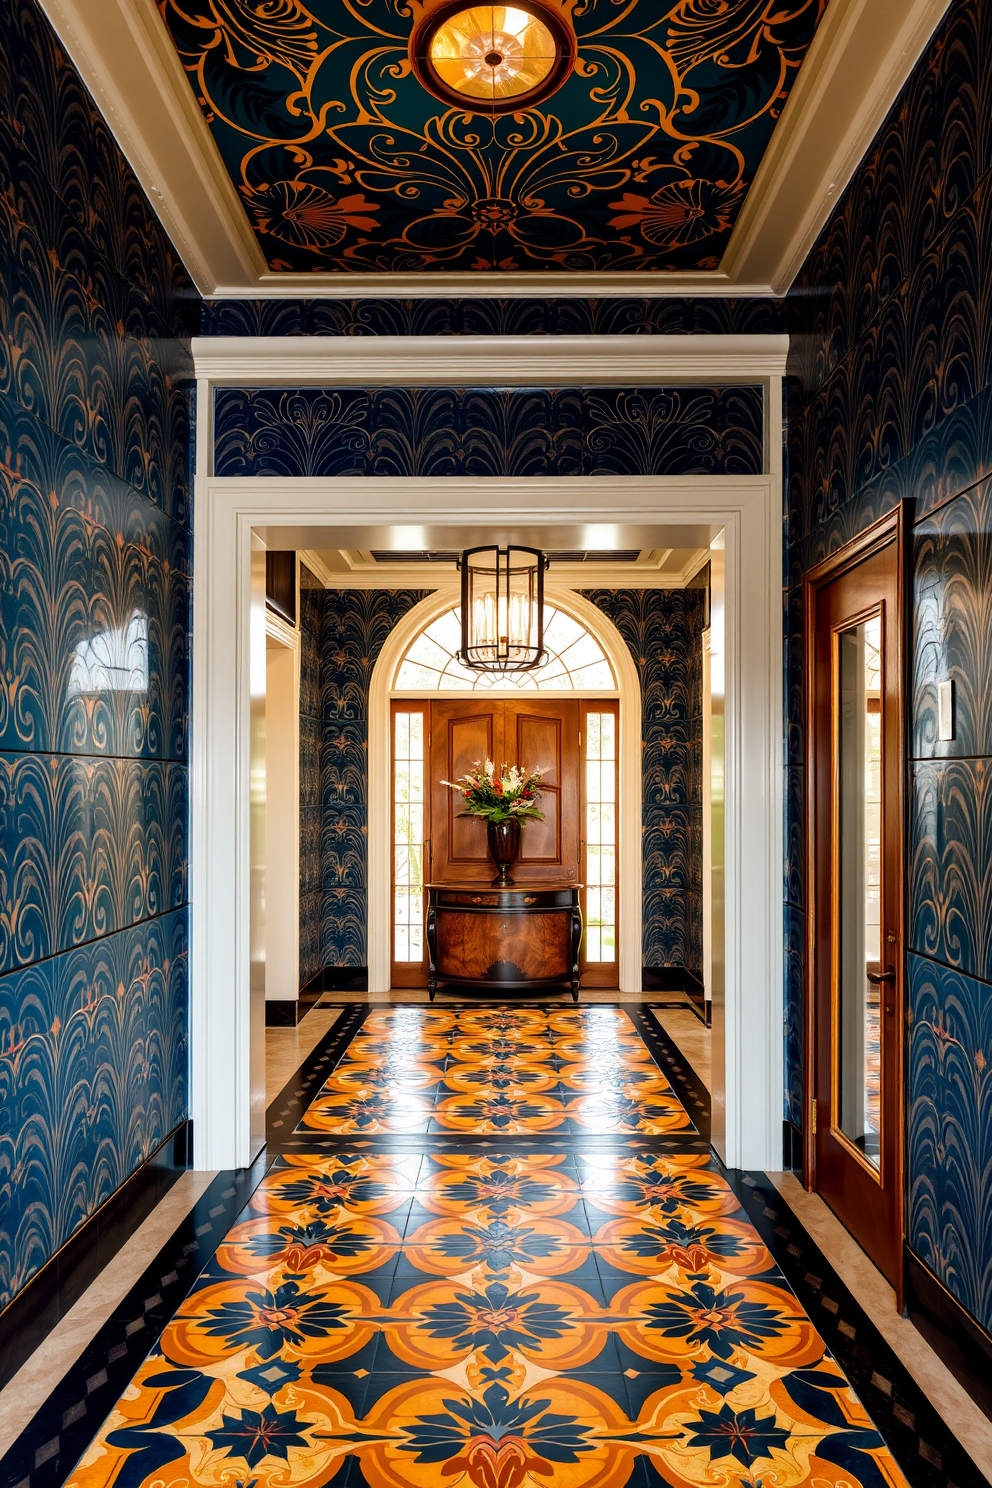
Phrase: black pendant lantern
(502, 609)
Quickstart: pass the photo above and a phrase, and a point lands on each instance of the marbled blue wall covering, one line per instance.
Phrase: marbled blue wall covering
(890, 398)
(95, 312)
(431, 431)
(663, 630)
(355, 625)
(712, 316)
(311, 883)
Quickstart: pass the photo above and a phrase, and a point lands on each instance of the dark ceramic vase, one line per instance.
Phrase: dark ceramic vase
(504, 844)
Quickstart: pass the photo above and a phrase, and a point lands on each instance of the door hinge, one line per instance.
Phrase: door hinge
(813, 1122)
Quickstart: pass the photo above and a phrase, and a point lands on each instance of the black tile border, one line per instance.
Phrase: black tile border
(924, 1446)
(285, 1112)
(685, 1082)
(50, 1446)
(39, 1306)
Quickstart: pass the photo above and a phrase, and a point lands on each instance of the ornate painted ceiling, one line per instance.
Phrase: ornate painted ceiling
(345, 162)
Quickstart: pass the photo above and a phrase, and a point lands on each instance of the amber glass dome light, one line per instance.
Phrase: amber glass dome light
(493, 58)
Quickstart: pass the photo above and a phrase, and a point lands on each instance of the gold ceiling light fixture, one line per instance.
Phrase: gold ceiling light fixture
(493, 59)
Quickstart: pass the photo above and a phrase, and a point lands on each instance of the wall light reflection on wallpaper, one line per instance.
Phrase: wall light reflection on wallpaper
(112, 660)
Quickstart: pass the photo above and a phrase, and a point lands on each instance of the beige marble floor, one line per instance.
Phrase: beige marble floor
(36, 1378)
(692, 1037)
(970, 1425)
(286, 1048)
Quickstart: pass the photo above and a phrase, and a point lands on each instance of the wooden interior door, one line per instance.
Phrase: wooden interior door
(854, 640)
(532, 732)
(545, 732)
(461, 732)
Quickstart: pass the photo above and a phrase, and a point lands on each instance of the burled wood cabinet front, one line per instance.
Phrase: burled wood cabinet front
(504, 939)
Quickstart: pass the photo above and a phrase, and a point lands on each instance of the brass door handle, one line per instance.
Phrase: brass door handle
(877, 977)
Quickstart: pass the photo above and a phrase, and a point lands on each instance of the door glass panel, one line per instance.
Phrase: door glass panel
(408, 837)
(601, 837)
(857, 1086)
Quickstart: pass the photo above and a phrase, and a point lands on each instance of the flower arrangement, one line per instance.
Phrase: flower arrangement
(509, 795)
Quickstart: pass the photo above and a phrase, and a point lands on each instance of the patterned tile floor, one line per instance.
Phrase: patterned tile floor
(581, 1307)
(514, 1071)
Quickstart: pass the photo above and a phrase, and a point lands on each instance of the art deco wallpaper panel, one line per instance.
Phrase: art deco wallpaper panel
(355, 624)
(311, 883)
(663, 630)
(307, 432)
(712, 316)
(95, 569)
(889, 400)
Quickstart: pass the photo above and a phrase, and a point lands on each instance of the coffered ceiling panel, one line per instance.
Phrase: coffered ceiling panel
(632, 147)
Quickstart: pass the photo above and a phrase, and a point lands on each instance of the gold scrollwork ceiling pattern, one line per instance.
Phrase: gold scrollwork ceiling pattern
(640, 161)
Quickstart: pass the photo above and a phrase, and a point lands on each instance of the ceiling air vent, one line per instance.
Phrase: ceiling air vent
(383, 556)
(623, 555)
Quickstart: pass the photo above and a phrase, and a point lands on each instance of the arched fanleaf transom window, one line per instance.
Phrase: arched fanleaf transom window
(576, 661)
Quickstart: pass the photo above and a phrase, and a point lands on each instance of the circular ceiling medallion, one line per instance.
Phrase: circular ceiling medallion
(493, 59)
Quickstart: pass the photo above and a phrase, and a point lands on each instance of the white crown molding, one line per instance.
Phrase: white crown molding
(860, 58)
(318, 567)
(541, 361)
(126, 58)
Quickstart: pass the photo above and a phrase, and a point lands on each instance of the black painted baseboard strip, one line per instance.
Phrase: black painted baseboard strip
(335, 979)
(285, 1012)
(29, 1318)
(950, 1330)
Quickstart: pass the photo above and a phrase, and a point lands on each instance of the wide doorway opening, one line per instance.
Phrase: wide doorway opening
(562, 718)
(374, 618)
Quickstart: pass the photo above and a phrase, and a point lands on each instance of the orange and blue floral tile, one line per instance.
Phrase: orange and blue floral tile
(490, 1320)
(506, 1071)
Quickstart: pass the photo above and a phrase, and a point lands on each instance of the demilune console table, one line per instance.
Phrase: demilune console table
(507, 939)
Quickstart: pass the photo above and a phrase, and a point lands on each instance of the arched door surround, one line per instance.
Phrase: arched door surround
(628, 690)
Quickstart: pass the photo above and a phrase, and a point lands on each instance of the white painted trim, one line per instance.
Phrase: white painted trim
(750, 511)
(455, 361)
(566, 575)
(860, 58)
(381, 692)
(282, 816)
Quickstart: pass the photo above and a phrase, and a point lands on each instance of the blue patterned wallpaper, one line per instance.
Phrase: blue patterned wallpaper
(350, 627)
(711, 315)
(663, 630)
(488, 431)
(890, 398)
(311, 885)
(95, 310)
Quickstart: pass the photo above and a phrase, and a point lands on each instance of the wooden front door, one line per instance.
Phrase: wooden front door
(533, 733)
(854, 654)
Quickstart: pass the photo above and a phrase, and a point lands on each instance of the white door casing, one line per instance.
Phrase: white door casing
(748, 508)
